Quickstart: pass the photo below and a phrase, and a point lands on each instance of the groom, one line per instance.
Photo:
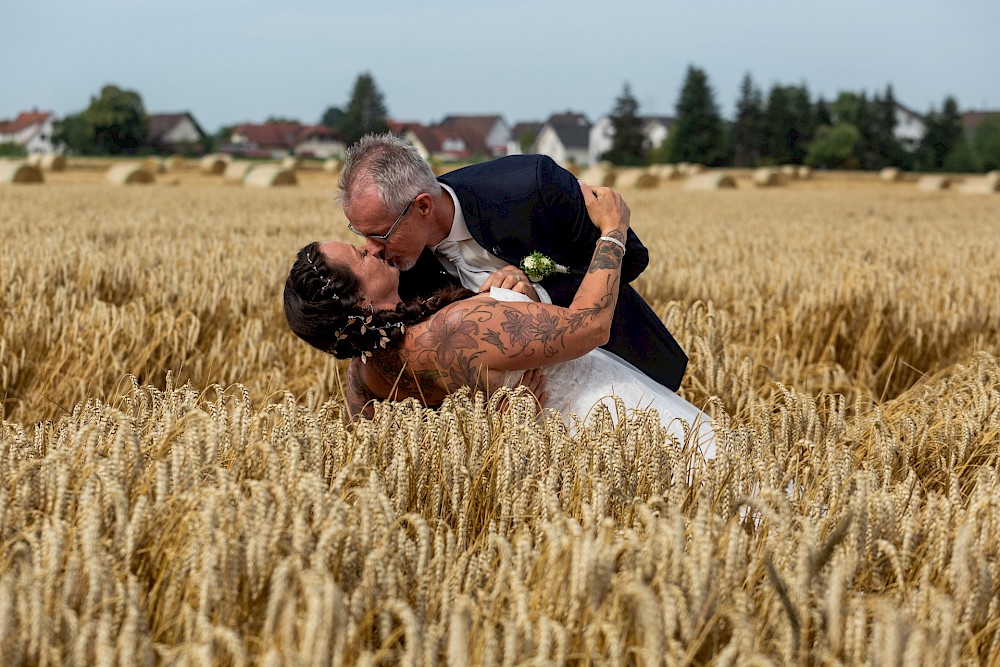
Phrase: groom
(481, 221)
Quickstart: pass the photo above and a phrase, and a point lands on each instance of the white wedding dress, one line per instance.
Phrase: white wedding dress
(579, 385)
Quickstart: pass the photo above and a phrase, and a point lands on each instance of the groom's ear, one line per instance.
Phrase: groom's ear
(424, 203)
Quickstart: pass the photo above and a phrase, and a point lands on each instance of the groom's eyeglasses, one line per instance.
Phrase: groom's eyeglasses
(384, 237)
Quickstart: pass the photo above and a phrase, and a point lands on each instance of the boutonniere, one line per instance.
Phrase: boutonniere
(537, 266)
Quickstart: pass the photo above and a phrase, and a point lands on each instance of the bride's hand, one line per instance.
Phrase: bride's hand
(512, 278)
(534, 380)
(607, 210)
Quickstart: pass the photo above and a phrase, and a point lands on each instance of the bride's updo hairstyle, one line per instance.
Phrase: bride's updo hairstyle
(322, 307)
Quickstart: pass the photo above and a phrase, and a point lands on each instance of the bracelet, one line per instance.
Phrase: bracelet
(613, 240)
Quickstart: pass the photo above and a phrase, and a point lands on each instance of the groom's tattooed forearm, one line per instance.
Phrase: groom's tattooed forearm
(608, 255)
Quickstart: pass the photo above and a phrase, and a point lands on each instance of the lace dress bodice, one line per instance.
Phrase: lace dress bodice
(577, 386)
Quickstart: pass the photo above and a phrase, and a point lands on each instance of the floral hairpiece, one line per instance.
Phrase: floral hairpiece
(326, 284)
(366, 324)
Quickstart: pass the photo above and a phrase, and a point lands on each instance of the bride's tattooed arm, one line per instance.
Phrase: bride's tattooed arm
(468, 338)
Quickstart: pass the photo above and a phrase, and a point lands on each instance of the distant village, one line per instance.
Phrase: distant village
(568, 137)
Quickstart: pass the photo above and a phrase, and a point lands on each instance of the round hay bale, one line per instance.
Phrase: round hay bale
(981, 186)
(20, 173)
(53, 162)
(890, 174)
(637, 178)
(129, 173)
(694, 168)
(710, 180)
(153, 165)
(269, 176)
(789, 171)
(332, 165)
(237, 170)
(804, 173)
(213, 164)
(291, 162)
(933, 183)
(34, 160)
(666, 172)
(598, 176)
(173, 163)
(766, 178)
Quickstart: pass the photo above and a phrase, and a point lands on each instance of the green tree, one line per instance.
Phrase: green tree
(821, 113)
(365, 111)
(986, 143)
(332, 117)
(628, 144)
(834, 147)
(748, 128)
(699, 134)
(526, 140)
(118, 120)
(944, 129)
(962, 158)
(788, 124)
(76, 134)
(12, 149)
(884, 147)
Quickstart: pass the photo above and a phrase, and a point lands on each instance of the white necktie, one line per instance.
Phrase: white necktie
(458, 257)
(472, 264)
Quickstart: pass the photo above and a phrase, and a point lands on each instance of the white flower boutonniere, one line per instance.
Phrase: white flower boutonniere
(536, 266)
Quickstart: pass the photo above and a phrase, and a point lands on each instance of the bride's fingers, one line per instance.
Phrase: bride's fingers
(526, 288)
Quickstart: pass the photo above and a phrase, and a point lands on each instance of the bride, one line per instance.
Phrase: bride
(344, 301)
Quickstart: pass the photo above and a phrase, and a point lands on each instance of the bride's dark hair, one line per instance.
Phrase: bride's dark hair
(322, 308)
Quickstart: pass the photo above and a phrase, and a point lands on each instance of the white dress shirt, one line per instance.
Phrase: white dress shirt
(465, 259)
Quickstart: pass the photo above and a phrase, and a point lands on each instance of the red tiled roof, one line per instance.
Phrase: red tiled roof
(269, 135)
(430, 138)
(24, 121)
(972, 119)
(316, 131)
(473, 130)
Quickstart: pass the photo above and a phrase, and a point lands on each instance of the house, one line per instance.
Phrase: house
(175, 133)
(910, 128)
(602, 133)
(483, 136)
(565, 137)
(433, 143)
(971, 120)
(284, 139)
(32, 130)
(270, 140)
(523, 136)
(319, 141)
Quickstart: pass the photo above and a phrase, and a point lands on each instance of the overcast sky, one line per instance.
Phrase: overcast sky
(244, 61)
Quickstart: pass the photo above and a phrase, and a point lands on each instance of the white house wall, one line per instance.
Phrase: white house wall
(184, 132)
(498, 137)
(909, 129)
(601, 137)
(548, 144)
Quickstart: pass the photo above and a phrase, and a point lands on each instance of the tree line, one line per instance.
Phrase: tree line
(853, 131)
(116, 122)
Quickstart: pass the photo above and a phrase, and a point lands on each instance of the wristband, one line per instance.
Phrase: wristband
(613, 240)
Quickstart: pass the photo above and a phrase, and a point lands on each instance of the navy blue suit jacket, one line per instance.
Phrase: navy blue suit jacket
(522, 203)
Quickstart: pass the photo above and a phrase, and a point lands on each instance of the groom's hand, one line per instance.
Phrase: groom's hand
(512, 278)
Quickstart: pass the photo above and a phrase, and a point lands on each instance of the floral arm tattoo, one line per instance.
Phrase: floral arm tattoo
(359, 395)
(462, 341)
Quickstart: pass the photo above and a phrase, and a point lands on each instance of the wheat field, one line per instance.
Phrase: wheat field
(177, 485)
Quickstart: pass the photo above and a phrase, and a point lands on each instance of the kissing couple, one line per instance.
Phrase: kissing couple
(497, 274)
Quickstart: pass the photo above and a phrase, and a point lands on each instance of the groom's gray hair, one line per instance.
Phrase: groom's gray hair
(392, 165)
